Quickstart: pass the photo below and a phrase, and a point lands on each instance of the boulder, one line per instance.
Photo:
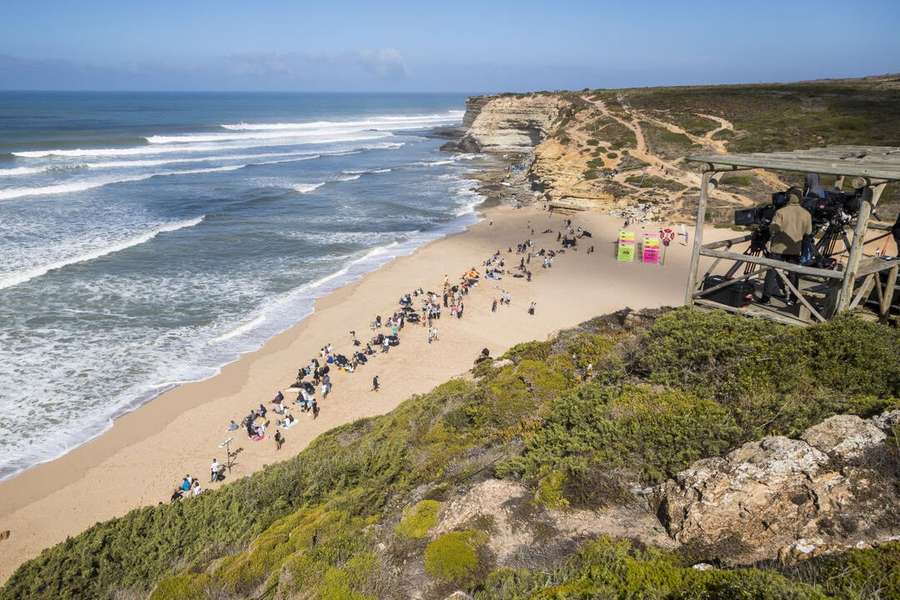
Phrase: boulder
(845, 437)
(785, 498)
(887, 421)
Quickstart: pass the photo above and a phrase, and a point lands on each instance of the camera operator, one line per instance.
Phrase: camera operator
(789, 226)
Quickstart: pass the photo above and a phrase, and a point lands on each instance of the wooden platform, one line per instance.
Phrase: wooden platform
(822, 293)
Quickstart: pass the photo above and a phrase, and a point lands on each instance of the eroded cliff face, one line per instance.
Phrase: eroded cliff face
(511, 123)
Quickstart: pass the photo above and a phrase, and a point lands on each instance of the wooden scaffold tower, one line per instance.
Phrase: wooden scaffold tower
(849, 279)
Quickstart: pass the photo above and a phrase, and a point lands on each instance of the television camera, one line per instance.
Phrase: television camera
(831, 211)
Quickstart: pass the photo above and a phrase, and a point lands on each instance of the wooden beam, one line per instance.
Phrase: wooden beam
(728, 243)
(862, 291)
(856, 247)
(800, 297)
(772, 315)
(890, 288)
(875, 265)
(769, 262)
(698, 237)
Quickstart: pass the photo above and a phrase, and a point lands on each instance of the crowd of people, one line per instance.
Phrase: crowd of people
(419, 307)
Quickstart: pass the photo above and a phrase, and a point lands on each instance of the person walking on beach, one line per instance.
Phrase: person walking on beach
(494, 306)
(375, 384)
(279, 440)
(531, 308)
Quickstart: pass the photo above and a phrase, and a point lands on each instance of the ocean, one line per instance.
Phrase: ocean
(148, 239)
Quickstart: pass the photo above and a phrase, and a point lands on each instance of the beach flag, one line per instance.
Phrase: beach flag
(626, 249)
(650, 248)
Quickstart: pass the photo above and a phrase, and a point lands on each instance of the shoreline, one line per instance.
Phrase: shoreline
(455, 227)
(140, 458)
(169, 396)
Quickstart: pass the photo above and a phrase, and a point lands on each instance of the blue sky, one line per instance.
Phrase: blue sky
(269, 45)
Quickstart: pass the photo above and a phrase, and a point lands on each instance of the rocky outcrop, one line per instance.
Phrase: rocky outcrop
(509, 123)
(780, 498)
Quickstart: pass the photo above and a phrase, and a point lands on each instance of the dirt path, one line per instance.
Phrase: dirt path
(666, 169)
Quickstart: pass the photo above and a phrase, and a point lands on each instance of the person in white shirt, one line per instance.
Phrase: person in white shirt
(214, 470)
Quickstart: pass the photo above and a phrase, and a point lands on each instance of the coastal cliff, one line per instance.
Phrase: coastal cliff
(626, 149)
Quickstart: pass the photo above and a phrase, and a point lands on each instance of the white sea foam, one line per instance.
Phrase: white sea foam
(20, 171)
(305, 188)
(152, 149)
(348, 177)
(35, 272)
(364, 171)
(87, 184)
(390, 122)
(134, 164)
(240, 330)
(433, 163)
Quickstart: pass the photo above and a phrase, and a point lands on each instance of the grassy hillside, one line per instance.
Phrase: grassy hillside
(580, 421)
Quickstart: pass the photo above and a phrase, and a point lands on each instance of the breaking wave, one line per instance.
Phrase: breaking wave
(35, 272)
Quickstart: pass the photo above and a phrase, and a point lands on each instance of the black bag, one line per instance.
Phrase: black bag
(737, 294)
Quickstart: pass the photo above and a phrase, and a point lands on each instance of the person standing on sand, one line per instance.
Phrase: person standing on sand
(494, 306)
(214, 470)
(279, 440)
(459, 310)
(375, 384)
(531, 308)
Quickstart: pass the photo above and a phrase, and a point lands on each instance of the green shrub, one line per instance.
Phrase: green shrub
(550, 490)
(617, 569)
(418, 519)
(453, 557)
(181, 587)
(529, 350)
(736, 180)
(653, 433)
(774, 379)
(857, 574)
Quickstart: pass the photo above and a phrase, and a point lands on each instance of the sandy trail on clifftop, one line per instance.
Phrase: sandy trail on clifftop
(666, 169)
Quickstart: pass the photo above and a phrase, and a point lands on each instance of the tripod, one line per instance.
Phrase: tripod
(231, 456)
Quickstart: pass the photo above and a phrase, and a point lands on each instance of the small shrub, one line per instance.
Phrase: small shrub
(181, 587)
(550, 490)
(419, 519)
(453, 557)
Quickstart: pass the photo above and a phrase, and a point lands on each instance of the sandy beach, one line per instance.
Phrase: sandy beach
(145, 454)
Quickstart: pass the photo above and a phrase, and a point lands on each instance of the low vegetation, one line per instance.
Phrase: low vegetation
(651, 181)
(578, 420)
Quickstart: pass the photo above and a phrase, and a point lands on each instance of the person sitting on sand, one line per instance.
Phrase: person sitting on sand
(232, 426)
(186, 483)
(196, 490)
(176, 495)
